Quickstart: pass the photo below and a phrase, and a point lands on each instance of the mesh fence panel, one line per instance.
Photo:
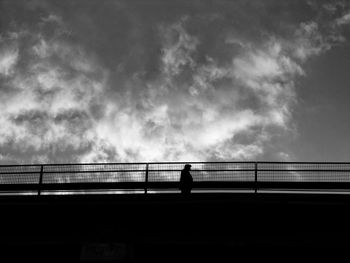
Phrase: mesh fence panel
(170, 172)
(305, 172)
(94, 173)
(20, 174)
(95, 167)
(304, 166)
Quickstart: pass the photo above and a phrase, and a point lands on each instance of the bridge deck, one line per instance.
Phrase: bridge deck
(169, 227)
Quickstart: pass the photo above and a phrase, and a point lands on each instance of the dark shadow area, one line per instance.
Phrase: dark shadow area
(173, 228)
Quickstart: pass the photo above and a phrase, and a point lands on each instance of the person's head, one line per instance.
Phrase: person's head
(187, 167)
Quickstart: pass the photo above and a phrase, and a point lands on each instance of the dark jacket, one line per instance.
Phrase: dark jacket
(186, 180)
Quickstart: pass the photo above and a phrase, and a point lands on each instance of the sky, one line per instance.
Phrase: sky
(153, 80)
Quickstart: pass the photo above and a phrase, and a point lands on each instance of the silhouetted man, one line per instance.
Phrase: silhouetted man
(186, 180)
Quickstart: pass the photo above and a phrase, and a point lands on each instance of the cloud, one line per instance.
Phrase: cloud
(52, 18)
(50, 102)
(324, 31)
(345, 19)
(309, 41)
(221, 94)
(8, 60)
(195, 110)
(178, 46)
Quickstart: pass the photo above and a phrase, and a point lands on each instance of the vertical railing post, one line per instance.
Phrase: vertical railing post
(41, 179)
(146, 179)
(256, 177)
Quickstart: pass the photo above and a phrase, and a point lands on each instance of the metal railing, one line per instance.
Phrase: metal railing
(154, 177)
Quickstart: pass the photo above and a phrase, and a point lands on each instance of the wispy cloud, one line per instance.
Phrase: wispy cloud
(178, 46)
(8, 60)
(48, 104)
(195, 110)
(223, 95)
(345, 19)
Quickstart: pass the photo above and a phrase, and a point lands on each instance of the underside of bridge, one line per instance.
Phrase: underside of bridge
(173, 228)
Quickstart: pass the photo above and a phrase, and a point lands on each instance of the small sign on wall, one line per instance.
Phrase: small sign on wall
(119, 252)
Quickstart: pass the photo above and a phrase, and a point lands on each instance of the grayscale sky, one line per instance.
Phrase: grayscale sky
(157, 80)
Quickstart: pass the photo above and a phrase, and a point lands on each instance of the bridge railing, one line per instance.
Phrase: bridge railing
(154, 177)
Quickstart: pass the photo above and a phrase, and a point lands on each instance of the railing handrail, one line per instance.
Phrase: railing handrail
(177, 162)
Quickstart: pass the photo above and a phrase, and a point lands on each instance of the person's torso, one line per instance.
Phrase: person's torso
(186, 177)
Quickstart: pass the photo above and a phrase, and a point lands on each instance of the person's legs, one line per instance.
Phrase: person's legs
(187, 191)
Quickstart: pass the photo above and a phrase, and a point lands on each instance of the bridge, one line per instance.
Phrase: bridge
(134, 212)
(136, 178)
